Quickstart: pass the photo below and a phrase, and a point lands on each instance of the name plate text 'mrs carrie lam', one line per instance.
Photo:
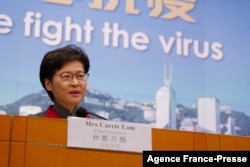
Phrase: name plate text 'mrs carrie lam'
(108, 135)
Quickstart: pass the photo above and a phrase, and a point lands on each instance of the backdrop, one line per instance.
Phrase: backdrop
(200, 47)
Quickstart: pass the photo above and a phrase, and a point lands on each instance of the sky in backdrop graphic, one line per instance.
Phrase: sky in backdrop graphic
(134, 72)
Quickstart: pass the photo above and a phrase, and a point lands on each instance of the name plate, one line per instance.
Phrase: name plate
(108, 135)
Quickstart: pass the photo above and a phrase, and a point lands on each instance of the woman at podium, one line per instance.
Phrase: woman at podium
(63, 75)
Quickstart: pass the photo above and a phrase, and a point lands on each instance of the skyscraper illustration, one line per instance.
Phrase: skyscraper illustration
(209, 114)
(230, 126)
(166, 103)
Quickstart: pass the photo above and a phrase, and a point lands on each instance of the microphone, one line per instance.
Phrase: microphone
(82, 112)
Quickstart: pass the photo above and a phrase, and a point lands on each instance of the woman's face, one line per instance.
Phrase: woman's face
(68, 93)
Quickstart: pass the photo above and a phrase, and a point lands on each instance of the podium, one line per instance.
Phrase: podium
(40, 142)
(163, 139)
(5, 127)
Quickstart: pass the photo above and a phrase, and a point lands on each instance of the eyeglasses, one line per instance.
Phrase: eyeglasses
(67, 76)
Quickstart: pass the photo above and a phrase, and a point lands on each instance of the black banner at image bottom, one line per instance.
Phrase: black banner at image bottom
(196, 158)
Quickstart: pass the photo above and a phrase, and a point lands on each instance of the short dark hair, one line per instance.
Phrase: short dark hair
(55, 59)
